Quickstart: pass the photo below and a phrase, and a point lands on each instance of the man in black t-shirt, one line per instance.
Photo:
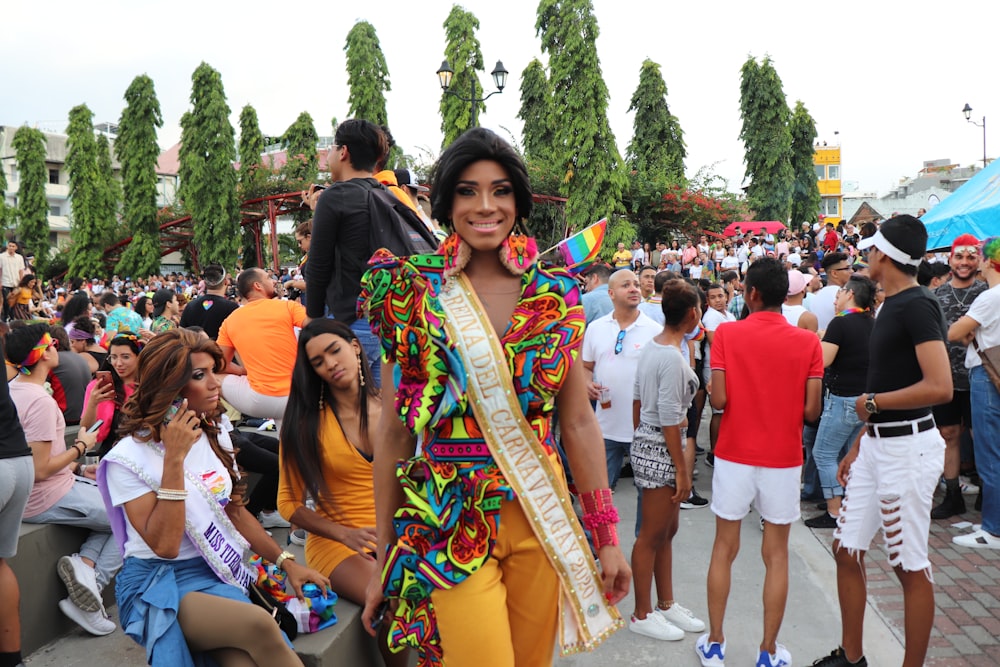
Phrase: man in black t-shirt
(210, 309)
(896, 463)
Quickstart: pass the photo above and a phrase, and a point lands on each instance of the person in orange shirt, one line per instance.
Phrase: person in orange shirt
(262, 332)
(326, 455)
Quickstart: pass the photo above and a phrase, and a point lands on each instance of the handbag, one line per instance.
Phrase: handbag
(277, 610)
(991, 362)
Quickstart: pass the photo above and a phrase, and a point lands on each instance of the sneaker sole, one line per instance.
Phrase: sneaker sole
(71, 612)
(80, 594)
(653, 636)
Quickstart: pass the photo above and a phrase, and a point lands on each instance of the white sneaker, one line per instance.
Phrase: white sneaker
(965, 485)
(979, 539)
(682, 618)
(272, 520)
(655, 626)
(711, 654)
(81, 583)
(94, 622)
(297, 536)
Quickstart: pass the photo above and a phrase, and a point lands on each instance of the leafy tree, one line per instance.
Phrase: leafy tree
(208, 180)
(463, 53)
(539, 134)
(657, 149)
(767, 141)
(253, 175)
(367, 75)
(5, 212)
(109, 194)
(32, 206)
(300, 141)
(84, 190)
(595, 179)
(137, 153)
(805, 192)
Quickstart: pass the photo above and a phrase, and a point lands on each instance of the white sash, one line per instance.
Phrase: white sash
(586, 616)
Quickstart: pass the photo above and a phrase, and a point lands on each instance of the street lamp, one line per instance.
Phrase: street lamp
(445, 74)
(968, 116)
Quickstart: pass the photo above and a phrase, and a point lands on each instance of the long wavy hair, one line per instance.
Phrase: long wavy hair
(300, 424)
(164, 370)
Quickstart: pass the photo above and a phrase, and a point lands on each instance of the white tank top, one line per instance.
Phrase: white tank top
(793, 313)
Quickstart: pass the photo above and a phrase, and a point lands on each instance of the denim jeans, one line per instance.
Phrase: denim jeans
(838, 428)
(83, 506)
(986, 441)
(810, 478)
(372, 347)
(614, 453)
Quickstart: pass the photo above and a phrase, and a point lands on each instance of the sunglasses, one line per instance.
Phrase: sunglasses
(619, 342)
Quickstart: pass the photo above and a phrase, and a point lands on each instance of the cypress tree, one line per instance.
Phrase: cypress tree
(137, 153)
(85, 196)
(657, 150)
(32, 206)
(805, 192)
(767, 141)
(367, 75)
(300, 149)
(5, 213)
(253, 175)
(463, 53)
(539, 123)
(109, 194)
(208, 179)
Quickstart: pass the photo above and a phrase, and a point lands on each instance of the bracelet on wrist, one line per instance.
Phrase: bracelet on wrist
(171, 494)
(600, 517)
(285, 556)
(81, 449)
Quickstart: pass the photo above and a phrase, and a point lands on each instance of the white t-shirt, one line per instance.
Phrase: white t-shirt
(730, 262)
(616, 371)
(821, 305)
(639, 256)
(985, 309)
(124, 485)
(11, 265)
(695, 271)
(712, 319)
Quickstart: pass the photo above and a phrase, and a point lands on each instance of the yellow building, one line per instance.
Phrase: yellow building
(826, 159)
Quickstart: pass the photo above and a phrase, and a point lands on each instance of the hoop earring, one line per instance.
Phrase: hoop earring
(518, 252)
(361, 371)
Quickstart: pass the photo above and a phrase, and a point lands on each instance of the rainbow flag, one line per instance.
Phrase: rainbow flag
(581, 248)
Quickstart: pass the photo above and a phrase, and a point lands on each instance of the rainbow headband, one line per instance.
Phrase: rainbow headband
(121, 337)
(34, 355)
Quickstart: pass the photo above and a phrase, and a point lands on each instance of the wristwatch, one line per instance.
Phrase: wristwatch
(871, 407)
(280, 560)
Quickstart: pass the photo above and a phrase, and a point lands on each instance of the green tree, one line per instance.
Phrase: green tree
(463, 53)
(5, 213)
(539, 133)
(367, 75)
(657, 149)
(300, 141)
(84, 189)
(32, 206)
(208, 179)
(109, 194)
(253, 175)
(595, 179)
(766, 139)
(137, 153)
(805, 192)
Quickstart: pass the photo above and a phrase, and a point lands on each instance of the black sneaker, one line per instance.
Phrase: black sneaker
(823, 520)
(694, 501)
(698, 450)
(838, 659)
(952, 505)
(710, 460)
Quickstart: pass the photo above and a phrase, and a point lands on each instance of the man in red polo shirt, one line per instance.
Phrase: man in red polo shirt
(758, 457)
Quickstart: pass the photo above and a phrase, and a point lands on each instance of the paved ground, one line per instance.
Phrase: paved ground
(967, 627)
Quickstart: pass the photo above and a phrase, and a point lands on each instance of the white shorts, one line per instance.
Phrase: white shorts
(891, 487)
(773, 491)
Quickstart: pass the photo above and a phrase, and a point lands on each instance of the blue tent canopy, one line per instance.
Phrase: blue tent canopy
(973, 209)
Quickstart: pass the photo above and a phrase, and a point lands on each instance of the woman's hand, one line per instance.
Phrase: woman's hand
(615, 572)
(373, 599)
(101, 393)
(362, 540)
(682, 487)
(182, 432)
(300, 575)
(88, 440)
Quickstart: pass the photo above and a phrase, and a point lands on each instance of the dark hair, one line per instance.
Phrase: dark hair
(304, 228)
(300, 425)
(140, 305)
(713, 286)
(831, 258)
(214, 275)
(729, 276)
(19, 341)
(868, 229)
(600, 270)
(645, 267)
(86, 325)
(108, 298)
(678, 298)
(863, 289)
(770, 279)
(475, 145)
(914, 230)
(928, 271)
(161, 298)
(28, 277)
(77, 305)
(661, 279)
(59, 333)
(365, 141)
(133, 342)
(390, 142)
(246, 279)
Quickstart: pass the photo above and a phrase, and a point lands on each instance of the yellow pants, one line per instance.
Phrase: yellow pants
(505, 615)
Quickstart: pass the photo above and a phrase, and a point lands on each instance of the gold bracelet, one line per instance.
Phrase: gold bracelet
(280, 560)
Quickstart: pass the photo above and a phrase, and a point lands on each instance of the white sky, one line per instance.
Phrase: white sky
(891, 77)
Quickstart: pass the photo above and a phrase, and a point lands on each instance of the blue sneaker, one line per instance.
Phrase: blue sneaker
(711, 654)
(780, 658)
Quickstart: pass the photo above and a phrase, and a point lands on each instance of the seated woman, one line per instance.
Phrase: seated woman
(326, 454)
(175, 498)
(105, 401)
(58, 496)
(83, 341)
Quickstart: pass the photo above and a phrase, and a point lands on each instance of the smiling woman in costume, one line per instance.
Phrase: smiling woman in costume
(481, 345)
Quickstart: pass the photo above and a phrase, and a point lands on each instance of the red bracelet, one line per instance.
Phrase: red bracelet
(600, 517)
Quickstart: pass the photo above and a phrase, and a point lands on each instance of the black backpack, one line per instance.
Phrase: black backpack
(394, 225)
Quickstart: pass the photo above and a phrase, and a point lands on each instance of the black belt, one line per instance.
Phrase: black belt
(924, 424)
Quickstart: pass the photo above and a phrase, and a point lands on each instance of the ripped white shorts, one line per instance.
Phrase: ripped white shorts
(891, 487)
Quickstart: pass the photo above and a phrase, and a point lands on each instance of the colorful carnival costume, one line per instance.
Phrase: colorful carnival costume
(455, 492)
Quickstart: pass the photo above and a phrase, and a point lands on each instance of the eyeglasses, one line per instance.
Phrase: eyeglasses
(619, 342)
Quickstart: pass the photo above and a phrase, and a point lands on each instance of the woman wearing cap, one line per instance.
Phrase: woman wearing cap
(845, 356)
(980, 330)
(165, 310)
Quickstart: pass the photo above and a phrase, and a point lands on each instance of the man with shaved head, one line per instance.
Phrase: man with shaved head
(611, 347)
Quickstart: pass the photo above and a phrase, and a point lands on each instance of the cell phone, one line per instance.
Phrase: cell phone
(104, 378)
(98, 424)
(317, 187)
(379, 614)
(173, 409)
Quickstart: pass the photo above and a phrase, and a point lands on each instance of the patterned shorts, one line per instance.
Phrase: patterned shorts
(652, 466)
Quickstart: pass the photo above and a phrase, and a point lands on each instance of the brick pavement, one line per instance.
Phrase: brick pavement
(967, 594)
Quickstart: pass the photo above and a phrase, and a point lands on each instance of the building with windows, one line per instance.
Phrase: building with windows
(826, 160)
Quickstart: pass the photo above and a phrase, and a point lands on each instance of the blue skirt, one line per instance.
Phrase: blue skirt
(149, 593)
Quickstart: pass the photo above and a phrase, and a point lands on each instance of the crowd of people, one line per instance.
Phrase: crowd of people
(439, 417)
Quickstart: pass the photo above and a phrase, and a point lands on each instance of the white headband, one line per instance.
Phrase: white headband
(886, 246)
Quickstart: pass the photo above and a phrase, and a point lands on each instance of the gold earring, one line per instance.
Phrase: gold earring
(322, 390)
(361, 371)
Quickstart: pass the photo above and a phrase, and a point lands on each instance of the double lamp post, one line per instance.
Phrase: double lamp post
(445, 74)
